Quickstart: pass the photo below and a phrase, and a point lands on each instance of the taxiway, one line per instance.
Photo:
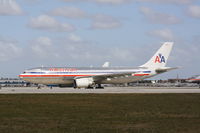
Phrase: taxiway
(114, 90)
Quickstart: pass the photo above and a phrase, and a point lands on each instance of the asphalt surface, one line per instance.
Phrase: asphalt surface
(117, 90)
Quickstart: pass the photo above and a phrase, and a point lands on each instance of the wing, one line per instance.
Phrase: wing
(105, 76)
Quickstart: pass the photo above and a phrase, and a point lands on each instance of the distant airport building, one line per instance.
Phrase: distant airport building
(14, 82)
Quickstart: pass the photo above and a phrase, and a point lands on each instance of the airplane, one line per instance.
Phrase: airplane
(194, 79)
(85, 77)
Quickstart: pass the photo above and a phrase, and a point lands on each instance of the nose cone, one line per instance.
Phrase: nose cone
(20, 76)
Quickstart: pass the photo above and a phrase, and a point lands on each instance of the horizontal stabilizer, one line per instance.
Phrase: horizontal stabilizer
(165, 69)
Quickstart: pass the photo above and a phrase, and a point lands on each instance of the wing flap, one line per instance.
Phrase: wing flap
(105, 76)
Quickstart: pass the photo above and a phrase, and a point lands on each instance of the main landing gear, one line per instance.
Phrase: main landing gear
(96, 86)
(99, 86)
(39, 87)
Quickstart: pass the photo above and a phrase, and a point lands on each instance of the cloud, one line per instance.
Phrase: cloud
(75, 49)
(157, 17)
(43, 47)
(10, 7)
(187, 55)
(113, 2)
(69, 12)
(69, 47)
(165, 34)
(9, 50)
(101, 21)
(121, 53)
(74, 38)
(168, 1)
(194, 11)
(45, 22)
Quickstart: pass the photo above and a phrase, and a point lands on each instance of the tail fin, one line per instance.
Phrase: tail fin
(161, 56)
(106, 64)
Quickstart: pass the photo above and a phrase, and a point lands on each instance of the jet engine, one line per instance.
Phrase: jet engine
(84, 82)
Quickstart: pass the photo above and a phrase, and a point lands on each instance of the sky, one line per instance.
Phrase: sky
(51, 33)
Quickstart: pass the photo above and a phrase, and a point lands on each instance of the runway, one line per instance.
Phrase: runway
(109, 90)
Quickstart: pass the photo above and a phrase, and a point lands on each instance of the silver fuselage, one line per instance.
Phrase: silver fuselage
(67, 75)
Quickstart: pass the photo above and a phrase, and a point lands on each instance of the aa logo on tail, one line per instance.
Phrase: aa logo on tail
(160, 59)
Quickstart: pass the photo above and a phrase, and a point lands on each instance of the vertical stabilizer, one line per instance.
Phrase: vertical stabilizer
(160, 58)
(106, 64)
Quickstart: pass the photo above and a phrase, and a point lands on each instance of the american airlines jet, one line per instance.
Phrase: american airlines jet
(82, 77)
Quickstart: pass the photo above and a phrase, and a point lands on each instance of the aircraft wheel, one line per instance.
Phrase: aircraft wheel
(39, 87)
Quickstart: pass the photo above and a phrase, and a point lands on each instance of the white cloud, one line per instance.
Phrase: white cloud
(69, 12)
(157, 17)
(73, 48)
(74, 38)
(44, 41)
(165, 34)
(43, 47)
(168, 1)
(45, 22)
(9, 50)
(194, 11)
(114, 2)
(69, 47)
(121, 54)
(10, 7)
(101, 21)
(187, 56)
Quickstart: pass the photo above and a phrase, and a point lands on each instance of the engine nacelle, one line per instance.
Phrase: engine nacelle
(84, 82)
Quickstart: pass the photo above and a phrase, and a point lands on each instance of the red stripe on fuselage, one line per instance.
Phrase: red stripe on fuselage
(141, 74)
